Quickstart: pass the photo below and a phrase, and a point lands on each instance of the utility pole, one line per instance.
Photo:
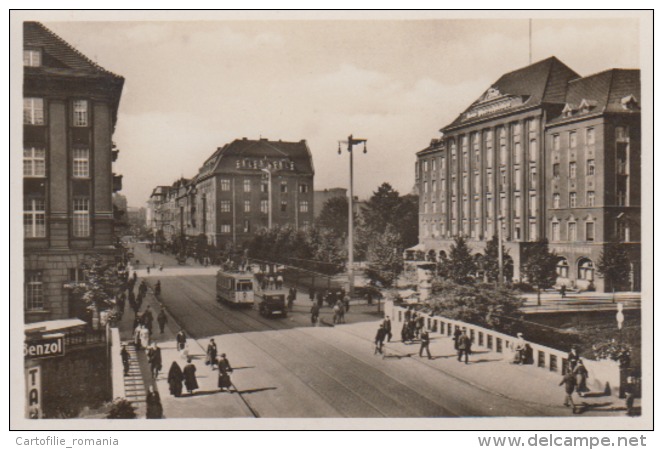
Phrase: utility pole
(500, 256)
(351, 276)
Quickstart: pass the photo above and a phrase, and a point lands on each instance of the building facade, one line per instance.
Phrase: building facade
(70, 109)
(230, 197)
(495, 166)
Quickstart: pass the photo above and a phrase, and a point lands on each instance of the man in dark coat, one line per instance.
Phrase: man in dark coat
(224, 373)
(464, 346)
(162, 319)
(379, 339)
(315, 312)
(125, 359)
(387, 327)
(425, 341)
(210, 358)
(148, 319)
(457, 335)
(155, 360)
(181, 340)
(311, 294)
(189, 373)
(175, 378)
(153, 401)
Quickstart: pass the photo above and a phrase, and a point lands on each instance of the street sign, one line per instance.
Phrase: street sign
(45, 347)
(33, 392)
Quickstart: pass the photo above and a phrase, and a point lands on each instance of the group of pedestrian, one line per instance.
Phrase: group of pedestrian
(179, 378)
(413, 323)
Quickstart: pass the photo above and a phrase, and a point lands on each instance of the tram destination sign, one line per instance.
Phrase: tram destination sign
(46, 347)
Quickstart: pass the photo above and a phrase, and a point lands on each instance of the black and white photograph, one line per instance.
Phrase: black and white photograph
(332, 220)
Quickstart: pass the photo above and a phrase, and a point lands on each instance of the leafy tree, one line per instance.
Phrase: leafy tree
(334, 216)
(490, 261)
(540, 266)
(614, 266)
(102, 285)
(407, 220)
(477, 304)
(461, 266)
(384, 257)
(382, 208)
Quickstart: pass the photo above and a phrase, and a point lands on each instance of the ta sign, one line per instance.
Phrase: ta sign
(44, 348)
(33, 392)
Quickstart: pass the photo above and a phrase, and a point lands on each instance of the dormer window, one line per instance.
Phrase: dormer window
(568, 110)
(630, 102)
(31, 58)
(586, 105)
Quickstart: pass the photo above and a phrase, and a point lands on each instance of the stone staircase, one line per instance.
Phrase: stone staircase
(134, 386)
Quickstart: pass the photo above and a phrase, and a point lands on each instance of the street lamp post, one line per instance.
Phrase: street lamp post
(269, 196)
(351, 276)
(500, 256)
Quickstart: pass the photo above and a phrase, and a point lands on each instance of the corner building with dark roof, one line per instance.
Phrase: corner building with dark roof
(554, 155)
(70, 109)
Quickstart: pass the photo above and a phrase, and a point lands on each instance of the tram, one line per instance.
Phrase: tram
(235, 288)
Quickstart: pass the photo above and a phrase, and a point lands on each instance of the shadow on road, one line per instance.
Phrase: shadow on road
(252, 391)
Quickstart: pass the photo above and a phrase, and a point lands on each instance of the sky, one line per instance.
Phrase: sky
(193, 86)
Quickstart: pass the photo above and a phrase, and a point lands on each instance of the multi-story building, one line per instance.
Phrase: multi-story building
(238, 185)
(70, 109)
(495, 164)
(593, 175)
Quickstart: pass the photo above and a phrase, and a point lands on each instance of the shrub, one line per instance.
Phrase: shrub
(121, 408)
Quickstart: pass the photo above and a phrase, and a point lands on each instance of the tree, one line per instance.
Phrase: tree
(102, 285)
(334, 216)
(384, 257)
(614, 266)
(382, 208)
(461, 265)
(490, 260)
(540, 267)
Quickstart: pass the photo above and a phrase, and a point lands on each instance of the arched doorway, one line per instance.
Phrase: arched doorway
(586, 273)
(431, 256)
(563, 271)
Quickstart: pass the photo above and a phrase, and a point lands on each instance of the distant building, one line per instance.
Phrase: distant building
(69, 113)
(548, 154)
(321, 197)
(228, 200)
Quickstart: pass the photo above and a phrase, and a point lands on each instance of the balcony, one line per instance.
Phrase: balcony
(117, 183)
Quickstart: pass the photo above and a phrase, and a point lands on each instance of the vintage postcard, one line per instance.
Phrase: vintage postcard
(332, 220)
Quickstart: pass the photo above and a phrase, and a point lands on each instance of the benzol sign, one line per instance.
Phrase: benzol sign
(46, 347)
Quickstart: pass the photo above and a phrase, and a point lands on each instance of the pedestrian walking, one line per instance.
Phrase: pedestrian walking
(569, 382)
(562, 291)
(311, 293)
(155, 360)
(629, 395)
(346, 302)
(142, 288)
(581, 374)
(135, 277)
(162, 319)
(175, 378)
(157, 289)
(225, 370)
(132, 301)
(457, 334)
(321, 298)
(181, 340)
(425, 341)
(279, 281)
(464, 346)
(379, 339)
(405, 333)
(338, 307)
(189, 373)
(291, 298)
(125, 359)
(160, 267)
(137, 331)
(210, 358)
(153, 403)
(148, 270)
(148, 319)
(315, 312)
(387, 327)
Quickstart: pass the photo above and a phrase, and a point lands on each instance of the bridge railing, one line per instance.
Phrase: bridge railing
(602, 373)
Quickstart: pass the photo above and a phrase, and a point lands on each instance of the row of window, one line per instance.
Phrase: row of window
(226, 228)
(590, 198)
(590, 168)
(33, 112)
(590, 139)
(34, 162)
(264, 186)
(34, 217)
(572, 232)
(532, 179)
(439, 228)
(225, 205)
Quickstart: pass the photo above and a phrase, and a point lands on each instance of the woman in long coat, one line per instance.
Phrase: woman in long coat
(210, 359)
(190, 377)
(175, 378)
(154, 408)
(224, 373)
(144, 336)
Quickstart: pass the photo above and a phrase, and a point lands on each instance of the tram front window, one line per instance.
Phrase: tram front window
(244, 286)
